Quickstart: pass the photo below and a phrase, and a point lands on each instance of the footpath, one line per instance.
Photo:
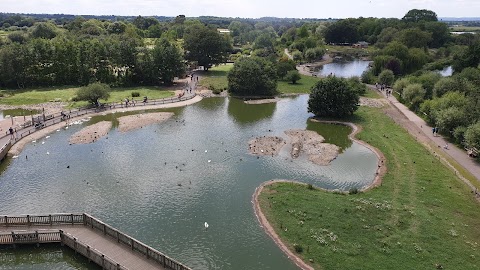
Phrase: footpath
(12, 144)
(441, 144)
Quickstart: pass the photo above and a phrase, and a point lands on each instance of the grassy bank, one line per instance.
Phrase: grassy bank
(215, 77)
(422, 217)
(66, 94)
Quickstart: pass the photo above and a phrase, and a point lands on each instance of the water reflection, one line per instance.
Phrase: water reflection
(45, 257)
(244, 113)
(157, 185)
(344, 69)
(334, 134)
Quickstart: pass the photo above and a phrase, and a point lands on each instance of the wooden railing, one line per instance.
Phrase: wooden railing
(85, 220)
(90, 253)
(134, 244)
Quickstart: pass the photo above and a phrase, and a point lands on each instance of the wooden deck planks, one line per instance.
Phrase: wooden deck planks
(108, 246)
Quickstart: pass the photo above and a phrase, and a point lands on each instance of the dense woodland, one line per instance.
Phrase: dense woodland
(58, 50)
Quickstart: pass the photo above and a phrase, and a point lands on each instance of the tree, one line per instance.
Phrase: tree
(206, 46)
(415, 38)
(168, 61)
(293, 76)
(18, 37)
(252, 76)
(469, 58)
(414, 94)
(386, 77)
(472, 135)
(44, 30)
(284, 66)
(417, 15)
(333, 97)
(342, 31)
(93, 92)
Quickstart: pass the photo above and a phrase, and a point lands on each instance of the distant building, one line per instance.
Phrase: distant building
(223, 31)
(360, 44)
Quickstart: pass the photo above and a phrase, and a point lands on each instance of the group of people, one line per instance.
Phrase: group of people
(383, 87)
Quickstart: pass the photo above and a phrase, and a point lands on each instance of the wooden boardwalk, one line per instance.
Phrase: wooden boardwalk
(88, 236)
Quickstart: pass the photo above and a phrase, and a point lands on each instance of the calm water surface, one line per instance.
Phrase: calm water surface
(344, 69)
(157, 185)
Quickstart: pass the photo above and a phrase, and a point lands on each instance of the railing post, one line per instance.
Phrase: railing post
(104, 228)
(103, 261)
(131, 241)
(88, 253)
(72, 218)
(50, 219)
(6, 221)
(62, 236)
(84, 219)
(28, 220)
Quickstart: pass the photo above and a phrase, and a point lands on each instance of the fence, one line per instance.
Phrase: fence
(85, 220)
(41, 121)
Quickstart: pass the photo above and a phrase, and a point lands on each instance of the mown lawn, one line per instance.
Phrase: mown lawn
(422, 217)
(215, 77)
(66, 94)
(303, 86)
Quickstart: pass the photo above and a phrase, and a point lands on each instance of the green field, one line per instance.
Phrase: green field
(461, 28)
(66, 94)
(421, 217)
(215, 77)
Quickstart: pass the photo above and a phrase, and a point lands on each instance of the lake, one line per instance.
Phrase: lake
(344, 69)
(157, 185)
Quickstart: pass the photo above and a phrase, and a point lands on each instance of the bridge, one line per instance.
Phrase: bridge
(97, 241)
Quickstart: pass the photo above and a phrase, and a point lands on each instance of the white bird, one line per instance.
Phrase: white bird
(48, 153)
(209, 161)
(43, 142)
(34, 141)
(66, 127)
(58, 130)
(206, 226)
(206, 151)
(47, 137)
(15, 157)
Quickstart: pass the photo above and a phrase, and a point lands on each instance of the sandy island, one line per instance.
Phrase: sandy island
(373, 102)
(91, 133)
(301, 142)
(262, 101)
(131, 122)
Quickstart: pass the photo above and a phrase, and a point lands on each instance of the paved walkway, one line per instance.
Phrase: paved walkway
(190, 90)
(458, 154)
(120, 253)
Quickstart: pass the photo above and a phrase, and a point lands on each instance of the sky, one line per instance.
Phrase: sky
(246, 8)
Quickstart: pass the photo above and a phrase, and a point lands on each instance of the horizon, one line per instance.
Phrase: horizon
(248, 9)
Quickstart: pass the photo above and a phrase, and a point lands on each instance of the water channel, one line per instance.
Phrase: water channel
(344, 69)
(156, 185)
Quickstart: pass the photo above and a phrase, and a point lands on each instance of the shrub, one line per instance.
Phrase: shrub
(135, 94)
(298, 248)
(368, 77)
(310, 187)
(353, 191)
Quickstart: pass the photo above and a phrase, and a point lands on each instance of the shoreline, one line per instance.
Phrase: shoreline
(265, 224)
(17, 148)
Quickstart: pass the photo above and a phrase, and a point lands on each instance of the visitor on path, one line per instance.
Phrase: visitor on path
(436, 131)
(433, 132)
(10, 130)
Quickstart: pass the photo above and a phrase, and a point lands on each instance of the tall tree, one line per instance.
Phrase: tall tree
(417, 15)
(253, 76)
(333, 97)
(168, 61)
(206, 46)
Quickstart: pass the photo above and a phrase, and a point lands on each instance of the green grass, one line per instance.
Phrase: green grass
(303, 86)
(462, 28)
(370, 93)
(421, 216)
(215, 77)
(65, 94)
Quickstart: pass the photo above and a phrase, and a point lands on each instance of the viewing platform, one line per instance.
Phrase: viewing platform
(97, 241)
